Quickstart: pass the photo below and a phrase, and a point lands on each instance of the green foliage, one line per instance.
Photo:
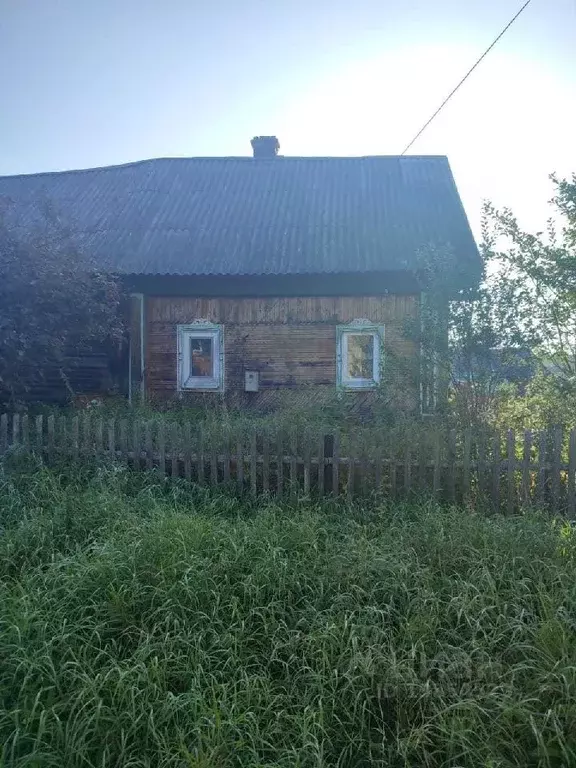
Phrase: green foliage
(526, 300)
(145, 624)
(53, 299)
(543, 404)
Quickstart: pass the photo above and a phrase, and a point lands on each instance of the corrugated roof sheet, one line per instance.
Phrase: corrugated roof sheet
(240, 215)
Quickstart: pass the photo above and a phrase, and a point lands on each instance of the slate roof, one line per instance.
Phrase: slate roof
(240, 215)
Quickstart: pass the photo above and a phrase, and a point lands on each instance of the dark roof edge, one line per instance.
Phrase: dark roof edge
(246, 158)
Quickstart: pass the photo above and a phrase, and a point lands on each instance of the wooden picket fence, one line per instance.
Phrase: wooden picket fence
(507, 471)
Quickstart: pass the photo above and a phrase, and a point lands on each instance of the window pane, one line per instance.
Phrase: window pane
(360, 357)
(201, 357)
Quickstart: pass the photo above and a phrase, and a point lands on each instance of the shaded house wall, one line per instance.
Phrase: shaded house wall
(290, 341)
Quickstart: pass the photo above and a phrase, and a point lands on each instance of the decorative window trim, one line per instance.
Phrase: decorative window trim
(359, 327)
(200, 329)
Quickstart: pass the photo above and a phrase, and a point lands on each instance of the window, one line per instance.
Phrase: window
(200, 356)
(359, 354)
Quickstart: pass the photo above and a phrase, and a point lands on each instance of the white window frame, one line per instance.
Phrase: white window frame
(358, 328)
(200, 330)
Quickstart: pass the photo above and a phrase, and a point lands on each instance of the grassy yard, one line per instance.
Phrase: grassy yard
(146, 624)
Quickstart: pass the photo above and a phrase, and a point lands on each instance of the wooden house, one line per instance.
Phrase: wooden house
(253, 276)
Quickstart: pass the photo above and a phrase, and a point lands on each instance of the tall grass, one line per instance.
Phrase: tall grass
(144, 624)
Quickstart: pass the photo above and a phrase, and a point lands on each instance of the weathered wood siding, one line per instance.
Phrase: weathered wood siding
(290, 341)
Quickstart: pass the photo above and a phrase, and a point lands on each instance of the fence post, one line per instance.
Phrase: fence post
(321, 465)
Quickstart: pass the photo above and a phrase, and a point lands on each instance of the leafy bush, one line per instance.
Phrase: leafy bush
(146, 624)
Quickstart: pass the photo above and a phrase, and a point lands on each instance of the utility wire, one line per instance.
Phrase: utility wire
(466, 76)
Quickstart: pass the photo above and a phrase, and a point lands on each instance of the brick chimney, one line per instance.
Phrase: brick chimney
(265, 146)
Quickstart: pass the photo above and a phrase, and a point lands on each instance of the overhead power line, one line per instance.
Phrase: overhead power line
(466, 76)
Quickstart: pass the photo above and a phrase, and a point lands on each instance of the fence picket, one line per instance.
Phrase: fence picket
(240, 462)
(136, 444)
(25, 431)
(86, 441)
(558, 438)
(213, 459)
(253, 463)
(336, 464)
(307, 466)
(466, 457)
(187, 448)
(16, 429)
(265, 463)
(123, 440)
(293, 462)
(526, 465)
(437, 462)
(174, 449)
(39, 429)
(280, 463)
(510, 470)
(112, 438)
(542, 449)
(149, 444)
(321, 465)
(226, 458)
(75, 437)
(201, 459)
(51, 438)
(451, 469)
(98, 436)
(3, 432)
(351, 470)
(162, 447)
(571, 484)
(496, 470)
(407, 469)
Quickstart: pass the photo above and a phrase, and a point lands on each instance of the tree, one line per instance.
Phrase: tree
(525, 299)
(53, 299)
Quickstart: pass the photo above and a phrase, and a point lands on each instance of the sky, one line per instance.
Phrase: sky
(89, 83)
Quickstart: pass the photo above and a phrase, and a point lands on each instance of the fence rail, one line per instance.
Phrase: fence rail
(507, 470)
